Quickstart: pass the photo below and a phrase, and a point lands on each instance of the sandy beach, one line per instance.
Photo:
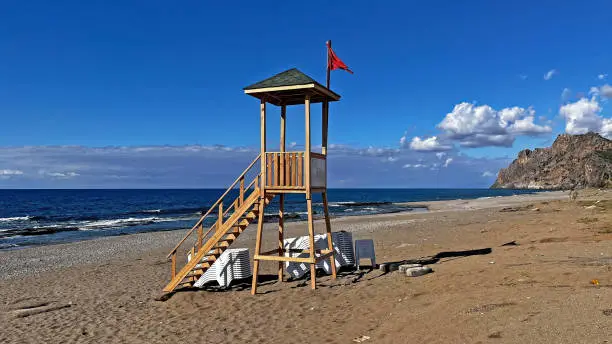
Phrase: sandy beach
(541, 290)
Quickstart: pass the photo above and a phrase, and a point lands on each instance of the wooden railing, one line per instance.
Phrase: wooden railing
(217, 208)
(285, 170)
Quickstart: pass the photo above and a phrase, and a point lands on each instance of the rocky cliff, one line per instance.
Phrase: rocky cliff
(573, 161)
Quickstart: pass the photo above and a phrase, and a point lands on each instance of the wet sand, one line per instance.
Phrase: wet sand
(539, 291)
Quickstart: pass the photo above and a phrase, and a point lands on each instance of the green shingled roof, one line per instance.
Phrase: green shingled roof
(289, 77)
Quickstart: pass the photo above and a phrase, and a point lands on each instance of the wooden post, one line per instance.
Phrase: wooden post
(330, 242)
(220, 218)
(313, 266)
(263, 146)
(200, 235)
(324, 124)
(276, 171)
(308, 148)
(283, 127)
(281, 220)
(281, 228)
(241, 199)
(260, 223)
(173, 269)
(309, 193)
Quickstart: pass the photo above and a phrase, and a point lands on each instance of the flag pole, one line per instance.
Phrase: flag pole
(329, 44)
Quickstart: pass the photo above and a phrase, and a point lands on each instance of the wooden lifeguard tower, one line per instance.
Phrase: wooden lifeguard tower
(281, 172)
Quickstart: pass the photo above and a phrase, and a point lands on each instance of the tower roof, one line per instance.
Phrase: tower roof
(289, 88)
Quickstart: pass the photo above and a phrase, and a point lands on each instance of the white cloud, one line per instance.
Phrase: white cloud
(447, 162)
(487, 174)
(480, 126)
(197, 166)
(60, 175)
(584, 116)
(526, 126)
(391, 159)
(606, 127)
(430, 144)
(604, 91)
(403, 141)
(440, 155)
(602, 76)
(566, 94)
(414, 166)
(550, 74)
(10, 173)
(7, 174)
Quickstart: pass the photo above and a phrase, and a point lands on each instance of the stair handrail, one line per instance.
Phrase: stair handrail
(201, 220)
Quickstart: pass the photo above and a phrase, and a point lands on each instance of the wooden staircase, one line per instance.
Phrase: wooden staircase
(228, 227)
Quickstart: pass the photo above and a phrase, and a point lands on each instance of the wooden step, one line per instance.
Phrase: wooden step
(235, 224)
(231, 236)
(204, 265)
(199, 272)
(190, 278)
(214, 252)
(250, 216)
(209, 259)
(184, 284)
(222, 244)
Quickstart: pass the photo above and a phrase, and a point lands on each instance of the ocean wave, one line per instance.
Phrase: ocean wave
(358, 204)
(177, 211)
(7, 246)
(50, 218)
(86, 226)
(119, 223)
(151, 211)
(36, 230)
(16, 218)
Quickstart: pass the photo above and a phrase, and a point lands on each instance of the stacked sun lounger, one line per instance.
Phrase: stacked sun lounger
(343, 247)
(233, 264)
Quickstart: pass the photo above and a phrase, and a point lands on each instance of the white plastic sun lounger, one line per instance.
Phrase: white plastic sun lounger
(343, 247)
(232, 264)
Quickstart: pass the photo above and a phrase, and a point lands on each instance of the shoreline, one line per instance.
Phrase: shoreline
(537, 291)
(411, 207)
(94, 249)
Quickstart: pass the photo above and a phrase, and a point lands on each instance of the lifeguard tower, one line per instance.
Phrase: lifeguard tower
(281, 172)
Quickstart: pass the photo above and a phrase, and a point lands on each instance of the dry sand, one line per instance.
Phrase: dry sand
(104, 290)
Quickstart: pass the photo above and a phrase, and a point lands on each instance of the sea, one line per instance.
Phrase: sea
(43, 217)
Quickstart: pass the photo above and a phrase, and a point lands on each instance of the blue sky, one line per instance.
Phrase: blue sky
(471, 81)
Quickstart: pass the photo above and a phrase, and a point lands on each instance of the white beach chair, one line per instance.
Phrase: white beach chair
(233, 264)
(364, 249)
(343, 247)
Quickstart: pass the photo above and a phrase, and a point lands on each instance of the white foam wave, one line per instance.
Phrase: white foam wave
(118, 223)
(16, 218)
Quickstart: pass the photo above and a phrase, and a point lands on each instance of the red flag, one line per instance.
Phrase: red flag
(333, 62)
